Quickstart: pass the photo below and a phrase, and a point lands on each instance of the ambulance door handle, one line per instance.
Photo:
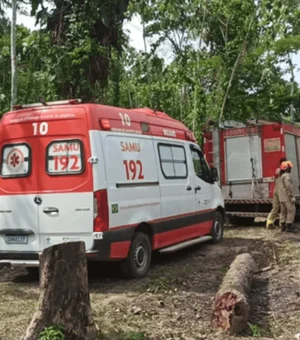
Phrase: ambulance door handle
(51, 211)
(197, 188)
(189, 188)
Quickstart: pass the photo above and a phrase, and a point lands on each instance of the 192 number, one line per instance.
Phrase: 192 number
(41, 128)
(61, 163)
(134, 169)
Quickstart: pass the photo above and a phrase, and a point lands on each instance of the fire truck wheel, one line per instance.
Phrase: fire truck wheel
(217, 230)
(138, 261)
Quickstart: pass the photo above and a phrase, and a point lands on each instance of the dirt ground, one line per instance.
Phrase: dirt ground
(174, 301)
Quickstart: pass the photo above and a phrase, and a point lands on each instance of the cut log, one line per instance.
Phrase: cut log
(230, 311)
(64, 297)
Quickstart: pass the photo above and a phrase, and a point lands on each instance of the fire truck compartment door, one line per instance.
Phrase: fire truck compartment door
(239, 152)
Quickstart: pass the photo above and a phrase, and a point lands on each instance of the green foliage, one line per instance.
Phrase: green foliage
(231, 68)
(223, 57)
(52, 333)
(135, 336)
(256, 331)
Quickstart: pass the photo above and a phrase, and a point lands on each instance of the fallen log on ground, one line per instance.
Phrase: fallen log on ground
(230, 311)
(64, 297)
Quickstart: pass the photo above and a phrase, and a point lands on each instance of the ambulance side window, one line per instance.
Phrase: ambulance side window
(172, 161)
(15, 160)
(200, 166)
(65, 157)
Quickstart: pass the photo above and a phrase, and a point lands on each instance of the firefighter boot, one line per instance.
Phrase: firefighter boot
(283, 227)
(270, 226)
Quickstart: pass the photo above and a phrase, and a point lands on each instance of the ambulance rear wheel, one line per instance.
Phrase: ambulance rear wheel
(217, 230)
(138, 261)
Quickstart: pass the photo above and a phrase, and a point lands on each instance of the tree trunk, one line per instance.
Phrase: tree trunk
(13, 54)
(64, 296)
(231, 307)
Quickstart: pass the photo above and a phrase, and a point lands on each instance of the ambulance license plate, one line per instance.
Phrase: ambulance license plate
(16, 239)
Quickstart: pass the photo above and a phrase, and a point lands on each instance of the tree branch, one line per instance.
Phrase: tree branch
(234, 70)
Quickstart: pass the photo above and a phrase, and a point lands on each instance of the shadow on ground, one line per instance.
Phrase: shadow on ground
(199, 268)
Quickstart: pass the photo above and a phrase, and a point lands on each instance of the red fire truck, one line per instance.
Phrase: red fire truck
(246, 156)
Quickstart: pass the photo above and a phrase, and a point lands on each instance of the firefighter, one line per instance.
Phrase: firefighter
(286, 197)
(274, 214)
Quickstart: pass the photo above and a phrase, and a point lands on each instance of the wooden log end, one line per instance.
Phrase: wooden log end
(231, 312)
(231, 309)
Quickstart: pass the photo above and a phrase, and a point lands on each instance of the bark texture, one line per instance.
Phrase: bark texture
(231, 309)
(64, 297)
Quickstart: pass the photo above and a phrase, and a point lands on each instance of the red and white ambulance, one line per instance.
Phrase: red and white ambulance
(126, 182)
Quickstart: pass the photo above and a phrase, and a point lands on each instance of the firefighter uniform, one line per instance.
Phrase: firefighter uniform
(274, 214)
(287, 200)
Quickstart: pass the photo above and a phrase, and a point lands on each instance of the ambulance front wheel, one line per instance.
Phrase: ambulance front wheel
(217, 230)
(138, 261)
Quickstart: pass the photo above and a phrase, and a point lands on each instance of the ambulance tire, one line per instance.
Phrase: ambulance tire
(138, 262)
(217, 230)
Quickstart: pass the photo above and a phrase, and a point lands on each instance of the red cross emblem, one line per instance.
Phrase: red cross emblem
(15, 160)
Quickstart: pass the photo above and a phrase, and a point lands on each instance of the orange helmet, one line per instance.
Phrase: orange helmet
(285, 165)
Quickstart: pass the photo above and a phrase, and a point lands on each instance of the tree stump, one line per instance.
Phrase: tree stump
(231, 307)
(64, 297)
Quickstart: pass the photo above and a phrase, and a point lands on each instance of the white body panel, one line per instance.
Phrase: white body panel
(209, 197)
(244, 191)
(153, 197)
(239, 152)
(99, 174)
(175, 199)
(73, 222)
(19, 212)
(136, 199)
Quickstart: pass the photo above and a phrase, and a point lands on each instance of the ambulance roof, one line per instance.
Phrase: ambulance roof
(141, 120)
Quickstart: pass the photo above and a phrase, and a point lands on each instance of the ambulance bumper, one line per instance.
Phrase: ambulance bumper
(102, 250)
(19, 259)
(20, 263)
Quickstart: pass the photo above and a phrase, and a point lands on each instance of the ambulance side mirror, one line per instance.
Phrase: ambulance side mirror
(214, 174)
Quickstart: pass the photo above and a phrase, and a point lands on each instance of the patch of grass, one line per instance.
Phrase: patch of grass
(54, 332)
(289, 254)
(160, 284)
(16, 309)
(256, 330)
(284, 325)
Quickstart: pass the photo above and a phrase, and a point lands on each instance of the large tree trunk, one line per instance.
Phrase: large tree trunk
(13, 54)
(231, 307)
(64, 296)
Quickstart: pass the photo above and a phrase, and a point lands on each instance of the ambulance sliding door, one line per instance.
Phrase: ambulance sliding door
(132, 180)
